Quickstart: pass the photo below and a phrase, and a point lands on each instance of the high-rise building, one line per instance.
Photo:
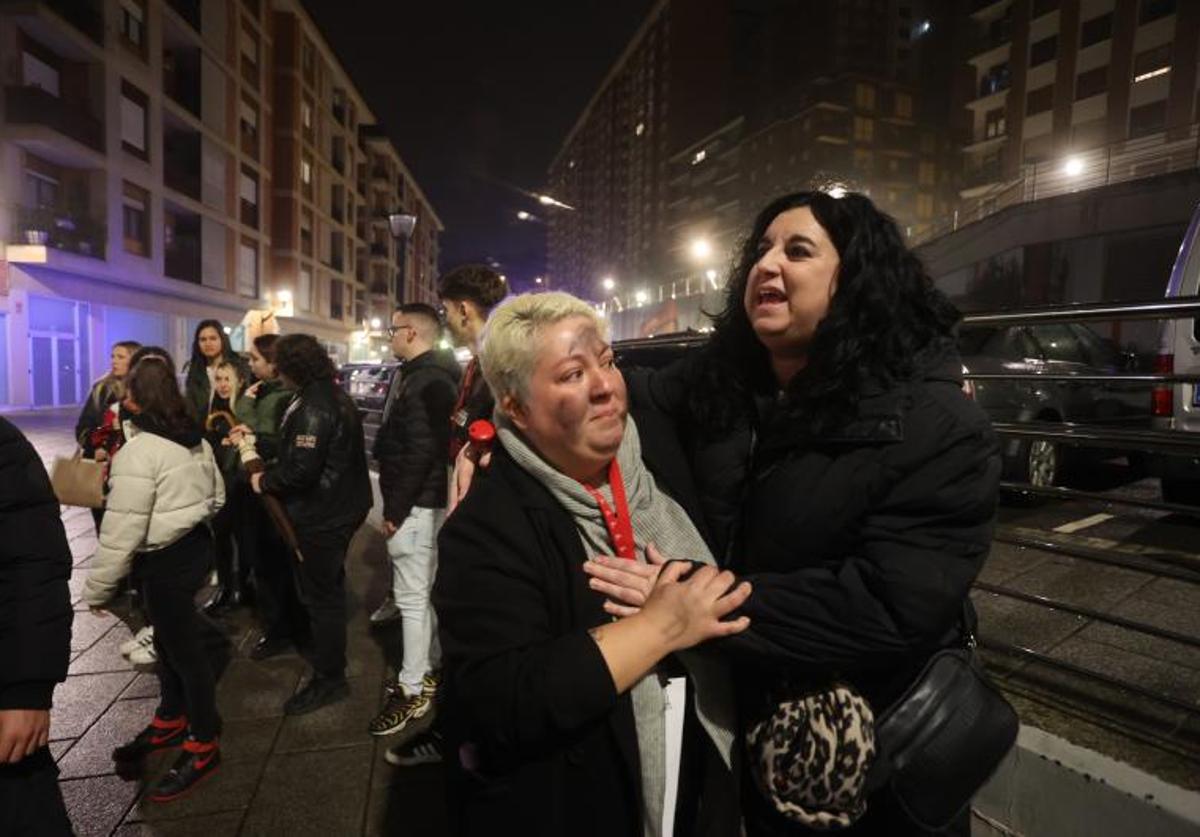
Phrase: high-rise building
(155, 170)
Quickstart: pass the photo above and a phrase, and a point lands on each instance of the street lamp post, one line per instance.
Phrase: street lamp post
(402, 226)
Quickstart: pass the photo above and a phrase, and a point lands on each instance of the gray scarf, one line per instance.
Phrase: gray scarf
(659, 520)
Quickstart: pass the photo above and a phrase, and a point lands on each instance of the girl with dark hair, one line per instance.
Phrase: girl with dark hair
(842, 472)
(260, 412)
(210, 347)
(320, 474)
(164, 488)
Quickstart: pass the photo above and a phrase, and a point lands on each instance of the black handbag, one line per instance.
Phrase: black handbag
(944, 737)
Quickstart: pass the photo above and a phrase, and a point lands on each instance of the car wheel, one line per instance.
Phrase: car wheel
(1184, 492)
(1041, 462)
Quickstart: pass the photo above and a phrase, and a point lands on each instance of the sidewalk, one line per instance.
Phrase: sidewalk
(318, 774)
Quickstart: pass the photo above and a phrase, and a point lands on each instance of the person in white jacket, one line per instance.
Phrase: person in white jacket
(164, 487)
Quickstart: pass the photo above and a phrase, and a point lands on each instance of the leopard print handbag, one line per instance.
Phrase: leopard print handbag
(811, 756)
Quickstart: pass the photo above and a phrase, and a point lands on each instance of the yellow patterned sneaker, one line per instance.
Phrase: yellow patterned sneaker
(399, 711)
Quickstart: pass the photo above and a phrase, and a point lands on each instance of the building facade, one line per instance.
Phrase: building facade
(151, 163)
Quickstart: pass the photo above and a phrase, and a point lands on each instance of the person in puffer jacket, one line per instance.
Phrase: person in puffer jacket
(164, 488)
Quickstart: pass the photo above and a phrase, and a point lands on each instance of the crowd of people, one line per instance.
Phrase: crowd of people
(638, 602)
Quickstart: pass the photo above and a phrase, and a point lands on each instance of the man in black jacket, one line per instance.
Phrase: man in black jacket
(35, 638)
(321, 476)
(411, 450)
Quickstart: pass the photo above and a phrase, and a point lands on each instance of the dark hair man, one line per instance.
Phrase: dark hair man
(321, 476)
(35, 638)
(411, 450)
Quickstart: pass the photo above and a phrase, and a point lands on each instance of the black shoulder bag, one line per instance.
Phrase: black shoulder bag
(945, 736)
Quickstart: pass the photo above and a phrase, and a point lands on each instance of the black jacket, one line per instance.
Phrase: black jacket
(411, 444)
(472, 405)
(527, 686)
(100, 398)
(35, 563)
(321, 473)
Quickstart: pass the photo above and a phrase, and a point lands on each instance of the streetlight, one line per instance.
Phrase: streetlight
(608, 283)
(537, 280)
(710, 275)
(701, 249)
(546, 200)
(376, 323)
(402, 224)
(1073, 167)
(641, 297)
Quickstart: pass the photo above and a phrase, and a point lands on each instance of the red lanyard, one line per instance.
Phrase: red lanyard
(618, 523)
(458, 416)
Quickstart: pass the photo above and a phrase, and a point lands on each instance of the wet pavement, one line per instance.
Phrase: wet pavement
(318, 774)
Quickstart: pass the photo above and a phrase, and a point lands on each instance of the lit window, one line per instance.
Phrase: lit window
(306, 172)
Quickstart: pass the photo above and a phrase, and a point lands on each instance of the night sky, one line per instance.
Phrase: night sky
(478, 97)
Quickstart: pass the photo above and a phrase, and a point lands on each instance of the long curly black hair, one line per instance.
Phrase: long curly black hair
(884, 314)
(302, 360)
(197, 365)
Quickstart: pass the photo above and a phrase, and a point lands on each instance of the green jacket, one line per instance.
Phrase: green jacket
(263, 415)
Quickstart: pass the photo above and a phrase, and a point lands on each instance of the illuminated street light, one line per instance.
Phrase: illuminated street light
(710, 275)
(701, 248)
(641, 297)
(528, 216)
(376, 323)
(608, 283)
(546, 200)
(1073, 167)
(537, 280)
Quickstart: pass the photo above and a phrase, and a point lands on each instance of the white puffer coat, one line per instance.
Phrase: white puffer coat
(159, 490)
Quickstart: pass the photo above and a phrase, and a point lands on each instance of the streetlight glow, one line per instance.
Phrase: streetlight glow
(537, 280)
(376, 323)
(710, 275)
(641, 297)
(523, 215)
(1073, 167)
(608, 283)
(701, 248)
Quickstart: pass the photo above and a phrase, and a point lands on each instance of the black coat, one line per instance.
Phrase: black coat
(527, 685)
(321, 474)
(100, 398)
(861, 545)
(412, 442)
(35, 563)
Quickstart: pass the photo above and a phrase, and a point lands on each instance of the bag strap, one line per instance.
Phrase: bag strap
(970, 624)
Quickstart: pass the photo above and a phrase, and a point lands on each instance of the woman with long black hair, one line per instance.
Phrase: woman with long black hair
(164, 488)
(842, 471)
(210, 348)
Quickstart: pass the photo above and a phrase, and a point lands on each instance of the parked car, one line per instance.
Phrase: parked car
(367, 384)
(1177, 407)
(1052, 349)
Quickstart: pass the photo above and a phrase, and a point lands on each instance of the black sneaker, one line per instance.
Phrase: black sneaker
(198, 759)
(270, 646)
(425, 748)
(161, 734)
(317, 692)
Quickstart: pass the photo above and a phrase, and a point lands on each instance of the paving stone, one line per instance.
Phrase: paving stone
(105, 653)
(81, 699)
(92, 753)
(57, 748)
(143, 686)
(1077, 582)
(287, 804)
(1018, 623)
(98, 804)
(1155, 615)
(225, 824)
(391, 807)
(1157, 675)
(338, 725)
(89, 627)
(250, 689)
(1006, 561)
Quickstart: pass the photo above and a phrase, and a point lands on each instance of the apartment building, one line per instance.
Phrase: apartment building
(146, 182)
(1074, 94)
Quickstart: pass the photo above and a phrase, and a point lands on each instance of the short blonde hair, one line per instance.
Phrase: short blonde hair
(510, 340)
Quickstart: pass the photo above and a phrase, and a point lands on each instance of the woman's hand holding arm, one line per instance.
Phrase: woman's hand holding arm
(626, 583)
(677, 615)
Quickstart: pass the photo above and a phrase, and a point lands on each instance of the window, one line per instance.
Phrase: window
(248, 197)
(135, 210)
(1150, 10)
(924, 205)
(40, 190)
(1152, 63)
(36, 72)
(336, 308)
(248, 122)
(1040, 100)
(1147, 119)
(864, 96)
(903, 104)
(133, 24)
(863, 161)
(1044, 50)
(308, 61)
(995, 123)
(306, 172)
(926, 173)
(134, 138)
(247, 276)
(864, 129)
(249, 50)
(1091, 83)
(1058, 342)
(306, 234)
(1041, 7)
(994, 80)
(1095, 30)
(304, 290)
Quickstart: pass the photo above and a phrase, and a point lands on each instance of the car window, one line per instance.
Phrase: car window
(1058, 342)
(1099, 351)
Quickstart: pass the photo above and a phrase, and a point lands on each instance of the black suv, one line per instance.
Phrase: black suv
(367, 384)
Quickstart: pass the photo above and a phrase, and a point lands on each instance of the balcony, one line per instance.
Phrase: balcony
(181, 78)
(183, 259)
(84, 16)
(379, 250)
(34, 106)
(337, 262)
(59, 229)
(181, 162)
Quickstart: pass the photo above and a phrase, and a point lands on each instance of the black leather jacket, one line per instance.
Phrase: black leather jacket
(321, 473)
(411, 444)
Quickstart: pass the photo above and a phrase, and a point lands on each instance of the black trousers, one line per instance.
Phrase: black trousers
(274, 566)
(169, 580)
(322, 582)
(231, 565)
(31, 804)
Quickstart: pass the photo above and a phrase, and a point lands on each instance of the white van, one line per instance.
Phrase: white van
(1177, 407)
